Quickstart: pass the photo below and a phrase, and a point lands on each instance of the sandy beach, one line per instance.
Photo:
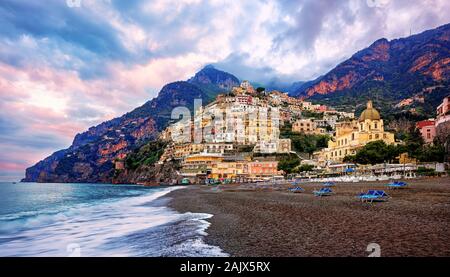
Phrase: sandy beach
(274, 222)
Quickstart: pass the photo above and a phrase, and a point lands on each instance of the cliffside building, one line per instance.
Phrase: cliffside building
(307, 126)
(427, 129)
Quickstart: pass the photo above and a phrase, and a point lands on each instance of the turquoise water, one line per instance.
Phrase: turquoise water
(97, 220)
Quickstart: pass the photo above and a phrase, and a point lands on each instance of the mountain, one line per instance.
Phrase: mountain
(91, 156)
(283, 86)
(297, 88)
(212, 82)
(278, 85)
(387, 71)
(210, 76)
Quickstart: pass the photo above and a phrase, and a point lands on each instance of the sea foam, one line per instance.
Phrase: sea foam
(128, 226)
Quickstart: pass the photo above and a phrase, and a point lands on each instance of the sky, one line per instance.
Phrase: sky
(69, 65)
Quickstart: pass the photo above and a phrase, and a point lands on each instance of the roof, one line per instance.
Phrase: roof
(369, 113)
(425, 123)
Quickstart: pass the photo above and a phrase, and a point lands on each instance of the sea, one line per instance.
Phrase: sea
(97, 220)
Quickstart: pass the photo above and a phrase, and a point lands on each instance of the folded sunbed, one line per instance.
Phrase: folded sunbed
(374, 196)
(323, 192)
(296, 189)
(397, 185)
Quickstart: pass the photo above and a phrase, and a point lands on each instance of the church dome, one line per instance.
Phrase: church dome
(369, 113)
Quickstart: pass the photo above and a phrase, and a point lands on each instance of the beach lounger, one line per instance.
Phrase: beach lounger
(296, 189)
(374, 196)
(329, 184)
(323, 192)
(397, 185)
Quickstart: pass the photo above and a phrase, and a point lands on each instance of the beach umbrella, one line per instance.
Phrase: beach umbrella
(349, 171)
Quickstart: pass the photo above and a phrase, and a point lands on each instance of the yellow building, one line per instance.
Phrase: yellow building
(352, 135)
(307, 126)
(181, 151)
(199, 164)
(185, 149)
(405, 159)
(229, 170)
(252, 170)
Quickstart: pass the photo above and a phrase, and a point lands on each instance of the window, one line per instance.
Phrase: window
(376, 125)
(370, 136)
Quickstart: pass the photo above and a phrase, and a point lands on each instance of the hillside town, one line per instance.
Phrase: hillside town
(249, 135)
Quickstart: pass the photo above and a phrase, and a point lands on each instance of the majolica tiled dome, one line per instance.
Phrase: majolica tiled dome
(369, 113)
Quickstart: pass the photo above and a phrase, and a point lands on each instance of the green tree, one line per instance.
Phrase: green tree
(304, 168)
(148, 154)
(349, 159)
(260, 89)
(413, 142)
(312, 114)
(373, 153)
(289, 163)
(322, 141)
(432, 153)
(392, 152)
(303, 143)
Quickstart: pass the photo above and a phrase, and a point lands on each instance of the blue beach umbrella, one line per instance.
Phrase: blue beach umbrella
(349, 170)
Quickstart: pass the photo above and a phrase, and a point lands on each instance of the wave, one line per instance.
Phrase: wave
(131, 226)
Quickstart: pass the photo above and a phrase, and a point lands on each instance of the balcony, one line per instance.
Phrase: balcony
(442, 119)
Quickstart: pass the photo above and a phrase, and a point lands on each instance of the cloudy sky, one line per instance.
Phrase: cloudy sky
(65, 67)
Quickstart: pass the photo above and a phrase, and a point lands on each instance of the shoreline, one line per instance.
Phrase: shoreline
(269, 221)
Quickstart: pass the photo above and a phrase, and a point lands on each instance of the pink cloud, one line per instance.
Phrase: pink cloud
(46, 106)
(11, 166)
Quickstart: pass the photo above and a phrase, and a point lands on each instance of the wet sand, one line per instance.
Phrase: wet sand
(274, 222)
